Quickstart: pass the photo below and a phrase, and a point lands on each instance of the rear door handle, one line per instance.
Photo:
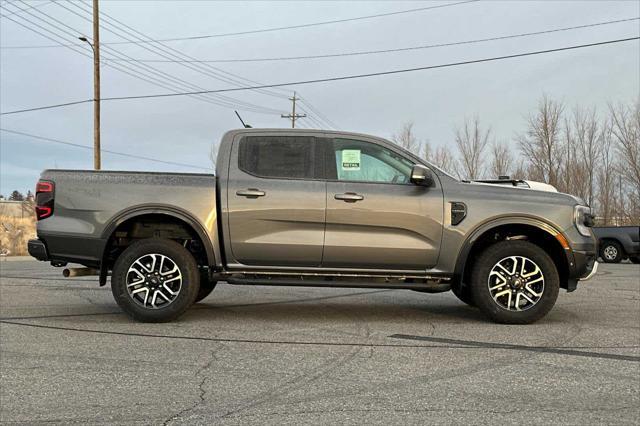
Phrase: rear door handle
(250, 193)
(349, 197)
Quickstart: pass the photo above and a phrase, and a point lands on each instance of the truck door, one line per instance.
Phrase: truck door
(377, 219)
(276, 201)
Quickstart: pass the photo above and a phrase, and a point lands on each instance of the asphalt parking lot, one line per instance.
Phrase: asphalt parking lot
(280, 355)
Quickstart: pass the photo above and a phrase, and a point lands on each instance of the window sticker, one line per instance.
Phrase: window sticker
(351, 160)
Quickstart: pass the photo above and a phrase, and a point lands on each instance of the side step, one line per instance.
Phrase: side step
(427, 287)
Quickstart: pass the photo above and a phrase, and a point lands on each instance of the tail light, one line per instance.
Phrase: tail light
(44, 199)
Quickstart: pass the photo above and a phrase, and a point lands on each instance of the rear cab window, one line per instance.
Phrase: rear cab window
(281, 157)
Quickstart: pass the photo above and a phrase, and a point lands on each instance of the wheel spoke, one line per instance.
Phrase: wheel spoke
(530, 290)
(159, 291)
(135, 283)
(173, 293)
(528, 298)
(536, 270)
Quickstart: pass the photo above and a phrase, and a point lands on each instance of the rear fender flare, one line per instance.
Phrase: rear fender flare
(172, 211)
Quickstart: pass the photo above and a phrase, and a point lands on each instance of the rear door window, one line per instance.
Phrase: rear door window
(292, 157)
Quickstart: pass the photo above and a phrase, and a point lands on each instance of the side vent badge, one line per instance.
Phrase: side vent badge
(458, 212)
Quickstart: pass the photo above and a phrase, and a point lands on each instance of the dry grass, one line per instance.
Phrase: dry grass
(14, 234)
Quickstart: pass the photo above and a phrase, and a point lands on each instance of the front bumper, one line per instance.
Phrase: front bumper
(592, 273)
(584, 264)
(38, 250)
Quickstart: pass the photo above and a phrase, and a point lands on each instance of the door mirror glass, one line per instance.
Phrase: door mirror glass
(421, 175)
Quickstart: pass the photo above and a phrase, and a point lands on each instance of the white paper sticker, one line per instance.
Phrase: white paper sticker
(351, 159)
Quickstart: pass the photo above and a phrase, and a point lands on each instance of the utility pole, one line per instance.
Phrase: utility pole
(95, 47)
(96, 87)
(293, 116)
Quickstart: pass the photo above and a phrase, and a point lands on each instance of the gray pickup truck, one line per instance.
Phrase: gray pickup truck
(314, 208)
(618, 242)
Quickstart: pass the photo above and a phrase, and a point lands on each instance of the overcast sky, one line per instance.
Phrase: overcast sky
(182, 129)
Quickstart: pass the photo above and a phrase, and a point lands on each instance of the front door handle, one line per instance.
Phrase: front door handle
(349, 197)
(251, 193)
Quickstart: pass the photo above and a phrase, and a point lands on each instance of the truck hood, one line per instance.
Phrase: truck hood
(533, 193)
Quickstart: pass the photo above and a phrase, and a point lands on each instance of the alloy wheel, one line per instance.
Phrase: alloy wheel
(154, 281)
(516, 283)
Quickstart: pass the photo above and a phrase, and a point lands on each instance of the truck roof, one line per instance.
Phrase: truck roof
(234, 132)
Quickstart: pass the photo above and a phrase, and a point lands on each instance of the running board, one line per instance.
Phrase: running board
(427, 287)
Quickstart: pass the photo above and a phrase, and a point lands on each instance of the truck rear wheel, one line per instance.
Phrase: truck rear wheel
(611, 252)
(515, 282)
(155, 280)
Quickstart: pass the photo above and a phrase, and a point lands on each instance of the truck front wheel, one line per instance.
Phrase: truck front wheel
(155, 280)
(515, 282)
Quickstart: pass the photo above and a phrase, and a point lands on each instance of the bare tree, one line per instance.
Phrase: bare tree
(625, 127)
(443, 158)
(542, 143)
(472, 141)
(407, 139)
(520, 171)
(588, 138)
(501, 160)
(606, 176)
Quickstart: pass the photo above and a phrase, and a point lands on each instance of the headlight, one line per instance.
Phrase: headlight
(583, 220)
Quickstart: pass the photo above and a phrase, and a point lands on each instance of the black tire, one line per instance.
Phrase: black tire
(492, 308)
(185, 295)
(206, 287)
(635, 259)
(611, 252)
(463, 292)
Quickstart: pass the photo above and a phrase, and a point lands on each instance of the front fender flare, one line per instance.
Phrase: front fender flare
(481, 229)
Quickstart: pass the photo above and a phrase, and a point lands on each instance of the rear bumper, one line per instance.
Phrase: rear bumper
(38, 250)
(62, 248)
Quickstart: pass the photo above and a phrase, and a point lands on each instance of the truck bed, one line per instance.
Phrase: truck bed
(88, 204)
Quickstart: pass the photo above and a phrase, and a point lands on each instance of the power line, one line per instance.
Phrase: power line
(30, 7)
(394, 50)
(139, 157)
(46, 107)
(272, 29)
(159, 78)
(318, 113)
(165, 50)
(375, 74)
(136, 73)
(381, 73)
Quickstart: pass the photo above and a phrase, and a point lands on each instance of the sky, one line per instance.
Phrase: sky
(182, 129)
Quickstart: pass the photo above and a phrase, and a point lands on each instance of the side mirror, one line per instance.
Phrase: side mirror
(421, 175)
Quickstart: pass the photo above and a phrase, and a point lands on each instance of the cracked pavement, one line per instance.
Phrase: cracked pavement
(278, 355)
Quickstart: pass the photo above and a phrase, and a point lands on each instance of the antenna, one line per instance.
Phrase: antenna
(246, 126)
